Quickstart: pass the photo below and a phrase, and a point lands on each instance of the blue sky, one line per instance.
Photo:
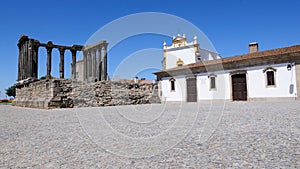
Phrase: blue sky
(230, 25)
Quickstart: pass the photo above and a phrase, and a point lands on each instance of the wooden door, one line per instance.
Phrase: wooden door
(191, 86)
(239, 87)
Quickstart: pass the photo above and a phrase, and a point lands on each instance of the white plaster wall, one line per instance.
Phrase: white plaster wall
(283, 79)
(207, 55)
(180, 89)
(222, 90)
(186, 55)
(256, 84)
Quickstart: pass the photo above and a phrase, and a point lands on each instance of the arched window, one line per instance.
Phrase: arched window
(172, 82)
(212, 79)
(270, 78)
(270, 74)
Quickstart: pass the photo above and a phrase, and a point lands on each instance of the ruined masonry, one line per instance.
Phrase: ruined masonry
(60, 92)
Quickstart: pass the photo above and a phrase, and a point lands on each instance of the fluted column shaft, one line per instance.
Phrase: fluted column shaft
(30, 64)
(49, 58)
(94, 63)
(73, 63)
(35, 60)
(25, 55)
(84, 65)
(61, 63)
(104, 63)
(99, 64)
(20, 59)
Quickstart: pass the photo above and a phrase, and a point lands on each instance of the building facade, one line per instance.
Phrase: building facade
(266, 75)
(182, 52)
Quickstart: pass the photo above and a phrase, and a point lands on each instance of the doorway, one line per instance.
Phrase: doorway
(191, 86)
(239, 87)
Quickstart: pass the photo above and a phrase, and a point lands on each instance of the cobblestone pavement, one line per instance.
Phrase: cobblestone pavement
(247, 135)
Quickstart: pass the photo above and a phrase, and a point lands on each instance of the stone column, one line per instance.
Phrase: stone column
(104, 62)
(49, 56)
(30, 57)
(35, 59)
(20, 59)
(84, 65)
(62, 63)
(73, 63)
(94, 63)
(89, 63)
(25, 57)
(99, 64)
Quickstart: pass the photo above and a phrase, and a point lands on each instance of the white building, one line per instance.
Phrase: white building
(182, 52)
(193, 74)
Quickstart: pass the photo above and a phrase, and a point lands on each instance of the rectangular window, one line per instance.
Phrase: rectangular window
(212, 82)
(270, 78)
(172, 85)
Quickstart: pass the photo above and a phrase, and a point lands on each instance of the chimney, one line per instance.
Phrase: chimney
(253, 47)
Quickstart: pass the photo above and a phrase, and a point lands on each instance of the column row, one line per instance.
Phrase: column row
(28, 58)
(95, 62)
(62, 50)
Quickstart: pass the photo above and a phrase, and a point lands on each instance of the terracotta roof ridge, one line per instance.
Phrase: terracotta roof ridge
(268, 50)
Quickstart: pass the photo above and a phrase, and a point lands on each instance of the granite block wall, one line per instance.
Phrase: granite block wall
(68, 93)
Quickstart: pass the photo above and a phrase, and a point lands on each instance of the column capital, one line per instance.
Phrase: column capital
(62, 50)
(37, 43)
(73, 51)
(77, 47)
(103, 47)
(49, 46)
(84, 52)
(104, 43)
(19, 45)
(23, 38)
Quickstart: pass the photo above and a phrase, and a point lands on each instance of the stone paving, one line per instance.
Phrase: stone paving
(231, 135)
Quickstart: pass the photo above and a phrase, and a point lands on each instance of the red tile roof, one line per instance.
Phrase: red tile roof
(263, 55)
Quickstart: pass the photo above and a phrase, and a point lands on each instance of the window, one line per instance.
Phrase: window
(270, 74)
(270, 78)
(172, 81)
(198, 57)
(212, 79)
(212, 82)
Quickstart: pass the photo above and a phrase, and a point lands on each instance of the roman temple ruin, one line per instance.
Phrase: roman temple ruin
(92, 89)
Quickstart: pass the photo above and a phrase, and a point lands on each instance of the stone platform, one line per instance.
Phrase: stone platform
(69, 93)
